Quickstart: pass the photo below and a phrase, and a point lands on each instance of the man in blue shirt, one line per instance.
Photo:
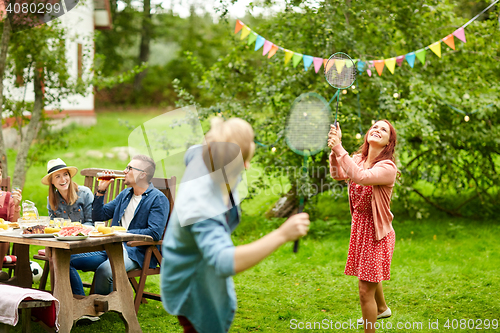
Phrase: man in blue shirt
(140, 208)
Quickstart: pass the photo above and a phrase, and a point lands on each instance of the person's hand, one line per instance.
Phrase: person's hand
(335, 131)
(17, 196)
(104, 184)
(295, 227)
(334, 136)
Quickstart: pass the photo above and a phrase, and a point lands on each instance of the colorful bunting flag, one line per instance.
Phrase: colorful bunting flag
(307, 61)
(267, 47)
(450, 41)
(297, 57)
(272, 52)
(238, 26)
(361, 66)
(244, 32)
(399, 60)
(410, 59)
(460, 34)
(421, 55)
(270, 49)
(339, 64)
(317, 63)
(252, 38)
(259, 42)
(288, 56)
(436, 48)
(391, 64)
(379, 65)
(329, 64)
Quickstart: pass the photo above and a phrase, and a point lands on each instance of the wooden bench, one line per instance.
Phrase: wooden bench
(25, 307)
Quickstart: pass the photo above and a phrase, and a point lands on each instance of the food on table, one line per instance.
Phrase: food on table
(4, 226)
(14, 225)
(119, 228)
(74, 230)
(104, 230)
(37, 229)
(2, 220)
(51, 230)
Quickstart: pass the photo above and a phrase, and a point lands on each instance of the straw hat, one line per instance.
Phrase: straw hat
(57, 165)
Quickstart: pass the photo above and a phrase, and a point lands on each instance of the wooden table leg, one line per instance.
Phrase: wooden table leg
(62, 287)
(122, 287)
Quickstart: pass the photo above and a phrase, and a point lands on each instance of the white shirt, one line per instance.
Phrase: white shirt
(130, 210)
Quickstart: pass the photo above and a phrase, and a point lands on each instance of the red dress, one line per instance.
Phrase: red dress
(368, 259)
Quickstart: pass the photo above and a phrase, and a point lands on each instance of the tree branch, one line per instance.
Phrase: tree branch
(450, 212)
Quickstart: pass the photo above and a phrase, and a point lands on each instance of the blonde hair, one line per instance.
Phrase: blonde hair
(218, 153)
(72, 194)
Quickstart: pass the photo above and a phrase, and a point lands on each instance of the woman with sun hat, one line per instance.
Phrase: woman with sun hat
(66, 199)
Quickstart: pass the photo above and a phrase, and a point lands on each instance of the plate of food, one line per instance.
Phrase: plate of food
(36, 231)
(73, 233)
(5, 230)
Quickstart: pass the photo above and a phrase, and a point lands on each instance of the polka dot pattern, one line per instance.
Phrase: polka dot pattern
(368, 259)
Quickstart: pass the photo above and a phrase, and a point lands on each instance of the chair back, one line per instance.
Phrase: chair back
(5, 184)
(91, 182)
(167, 187)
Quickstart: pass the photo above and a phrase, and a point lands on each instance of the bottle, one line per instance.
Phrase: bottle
(108, 176)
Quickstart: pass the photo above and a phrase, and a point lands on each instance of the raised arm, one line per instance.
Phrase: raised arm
(382, 173)
(336, 170)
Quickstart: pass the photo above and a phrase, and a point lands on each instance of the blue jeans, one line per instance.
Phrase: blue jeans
(99, 263)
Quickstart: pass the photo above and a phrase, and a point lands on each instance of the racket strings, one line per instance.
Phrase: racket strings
(340, 71)
(308, 124)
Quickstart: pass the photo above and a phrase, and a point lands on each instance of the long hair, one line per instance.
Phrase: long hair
(387, 153)
(72, 194)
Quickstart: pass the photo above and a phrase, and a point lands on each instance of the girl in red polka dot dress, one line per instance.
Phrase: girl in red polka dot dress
(371, 174)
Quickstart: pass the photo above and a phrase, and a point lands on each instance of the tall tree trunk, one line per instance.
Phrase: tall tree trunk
(3, 59)
(22, 154)
(145, 43)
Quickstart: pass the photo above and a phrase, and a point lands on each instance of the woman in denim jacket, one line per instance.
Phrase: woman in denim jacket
(199, 257)
(66, 199)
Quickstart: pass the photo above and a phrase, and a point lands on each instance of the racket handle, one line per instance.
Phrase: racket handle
(296, 243)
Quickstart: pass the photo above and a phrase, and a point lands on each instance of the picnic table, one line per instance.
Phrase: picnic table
(72, 307)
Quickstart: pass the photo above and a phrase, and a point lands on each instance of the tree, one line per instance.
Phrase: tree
(450, 163)
(144, 48)
(40, 53)
(6, 31)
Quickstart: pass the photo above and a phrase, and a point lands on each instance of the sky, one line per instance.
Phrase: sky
(181, 7)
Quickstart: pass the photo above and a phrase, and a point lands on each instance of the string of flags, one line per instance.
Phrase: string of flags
(270, 49)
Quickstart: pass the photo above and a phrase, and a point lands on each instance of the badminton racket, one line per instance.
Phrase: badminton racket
(340, 73)
(306, 131)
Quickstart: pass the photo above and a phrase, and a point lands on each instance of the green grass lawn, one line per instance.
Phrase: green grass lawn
(442, 268)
